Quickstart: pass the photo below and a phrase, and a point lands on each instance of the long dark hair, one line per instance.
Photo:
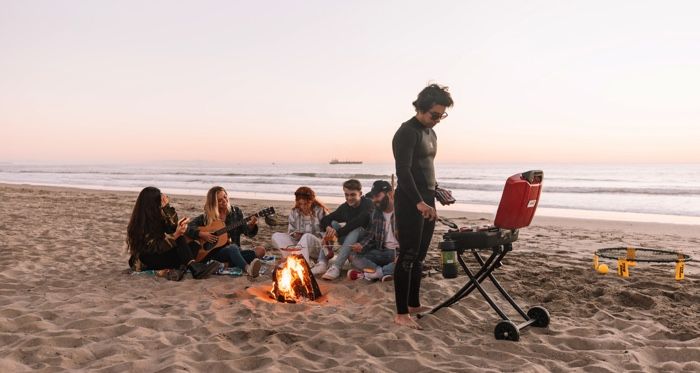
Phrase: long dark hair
(146, 220)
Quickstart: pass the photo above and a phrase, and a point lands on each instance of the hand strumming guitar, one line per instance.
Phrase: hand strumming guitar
(208, 237)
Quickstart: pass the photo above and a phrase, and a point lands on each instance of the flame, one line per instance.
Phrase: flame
(291, 276)
(292, 270)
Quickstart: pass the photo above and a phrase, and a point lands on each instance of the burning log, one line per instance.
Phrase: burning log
(293, 281)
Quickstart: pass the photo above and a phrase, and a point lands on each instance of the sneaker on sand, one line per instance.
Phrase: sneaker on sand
(319, 268)
(254, 268)
(332, 273)
(354, 274)
(376, 275)
(387, 278)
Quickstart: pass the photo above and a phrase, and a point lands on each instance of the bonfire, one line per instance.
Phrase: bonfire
(292, 281)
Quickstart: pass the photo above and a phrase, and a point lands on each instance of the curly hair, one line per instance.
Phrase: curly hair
(433, 94)
(308, 194)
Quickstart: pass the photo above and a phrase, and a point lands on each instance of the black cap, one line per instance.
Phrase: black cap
(379, 186)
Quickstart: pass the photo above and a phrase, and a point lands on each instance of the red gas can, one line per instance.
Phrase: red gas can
(519, 200)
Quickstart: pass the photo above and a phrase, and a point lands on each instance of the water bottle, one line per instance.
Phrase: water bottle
(448, 254)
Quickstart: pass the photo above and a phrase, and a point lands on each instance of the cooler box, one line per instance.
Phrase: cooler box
(521, 195)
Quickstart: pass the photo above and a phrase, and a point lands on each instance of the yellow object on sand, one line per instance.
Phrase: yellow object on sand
(622, 268)
(602, 269)
(680, 269)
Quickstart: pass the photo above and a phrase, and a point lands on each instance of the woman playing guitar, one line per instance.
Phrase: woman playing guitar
(217, 208)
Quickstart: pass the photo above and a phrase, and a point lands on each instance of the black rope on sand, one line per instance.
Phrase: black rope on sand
(664, 256)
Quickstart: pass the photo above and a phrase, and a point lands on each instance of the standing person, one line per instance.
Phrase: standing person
(154, 238)
(218, 207)
(304, 230)
(415, 146)
(355, 214)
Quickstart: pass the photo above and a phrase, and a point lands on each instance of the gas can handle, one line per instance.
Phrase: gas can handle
(533, 176)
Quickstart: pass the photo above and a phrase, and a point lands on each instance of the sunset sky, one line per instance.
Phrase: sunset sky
(306, 81)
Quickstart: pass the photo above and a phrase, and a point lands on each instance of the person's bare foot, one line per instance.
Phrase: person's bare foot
(406, 320)
(419, 309)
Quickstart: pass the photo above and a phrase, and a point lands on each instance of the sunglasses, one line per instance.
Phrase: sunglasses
(436, 116)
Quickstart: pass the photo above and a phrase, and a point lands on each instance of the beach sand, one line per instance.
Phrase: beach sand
(66, 302)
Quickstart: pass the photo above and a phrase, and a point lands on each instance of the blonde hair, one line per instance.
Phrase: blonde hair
(211, 206)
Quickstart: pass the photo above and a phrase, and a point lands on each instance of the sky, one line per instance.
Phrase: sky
(307, 81)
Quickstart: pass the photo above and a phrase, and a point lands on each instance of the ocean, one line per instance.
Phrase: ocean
(656, 193)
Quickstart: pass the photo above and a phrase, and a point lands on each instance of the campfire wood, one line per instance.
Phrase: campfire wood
(292, 281)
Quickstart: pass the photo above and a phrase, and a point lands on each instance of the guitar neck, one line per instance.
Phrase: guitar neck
(234, 225)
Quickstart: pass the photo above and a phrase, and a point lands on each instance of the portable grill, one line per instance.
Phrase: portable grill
(519, 201)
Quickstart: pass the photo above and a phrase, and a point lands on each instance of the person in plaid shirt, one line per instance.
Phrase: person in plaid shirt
(373, 255)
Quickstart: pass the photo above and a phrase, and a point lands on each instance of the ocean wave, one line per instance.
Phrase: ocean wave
(624, 190)
(581, 190)
(322, 175)
(339, 176)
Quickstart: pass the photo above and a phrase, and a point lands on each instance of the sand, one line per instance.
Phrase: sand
(66, 303)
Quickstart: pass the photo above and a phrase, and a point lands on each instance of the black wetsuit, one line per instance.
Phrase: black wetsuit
(414, 148)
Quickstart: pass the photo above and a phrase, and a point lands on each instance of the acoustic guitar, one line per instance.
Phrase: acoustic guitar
(220, 229)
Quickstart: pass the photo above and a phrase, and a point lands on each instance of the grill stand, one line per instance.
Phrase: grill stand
(506, 329)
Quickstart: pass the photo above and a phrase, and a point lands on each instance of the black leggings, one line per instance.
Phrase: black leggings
(181, 254)
(414, 235)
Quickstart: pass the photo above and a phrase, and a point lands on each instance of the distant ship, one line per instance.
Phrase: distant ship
(335, 161)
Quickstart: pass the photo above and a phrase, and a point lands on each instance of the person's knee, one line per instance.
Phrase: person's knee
(260, 251)
(352, 236)
(277, 236)
(405, 266)
(407, 261)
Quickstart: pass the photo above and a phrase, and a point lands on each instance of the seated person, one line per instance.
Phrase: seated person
(375, 254)
(218, 208)
(155, 240)
(304, 230)
(355, 214)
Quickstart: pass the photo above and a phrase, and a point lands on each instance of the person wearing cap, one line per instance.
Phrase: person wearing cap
(354, 213)
(374, 255)
(414, 146)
